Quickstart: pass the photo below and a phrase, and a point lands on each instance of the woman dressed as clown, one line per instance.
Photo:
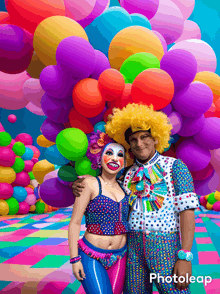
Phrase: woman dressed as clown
(99, 258)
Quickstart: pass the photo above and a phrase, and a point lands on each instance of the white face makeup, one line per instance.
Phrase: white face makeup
(113, 158)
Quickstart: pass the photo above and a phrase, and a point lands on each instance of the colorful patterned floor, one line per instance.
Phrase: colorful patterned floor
(34, 254)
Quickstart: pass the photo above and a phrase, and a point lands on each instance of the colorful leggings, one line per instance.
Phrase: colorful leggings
(151, 254)
(104, 269)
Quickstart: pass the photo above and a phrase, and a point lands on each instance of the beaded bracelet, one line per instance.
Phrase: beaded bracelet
(75, 259)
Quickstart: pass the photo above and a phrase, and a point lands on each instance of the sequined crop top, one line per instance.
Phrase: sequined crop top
(105, 216)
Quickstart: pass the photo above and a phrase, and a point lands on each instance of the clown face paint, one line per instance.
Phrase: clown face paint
(113, 157)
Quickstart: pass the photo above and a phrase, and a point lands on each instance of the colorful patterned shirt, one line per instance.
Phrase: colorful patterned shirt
(160, 190)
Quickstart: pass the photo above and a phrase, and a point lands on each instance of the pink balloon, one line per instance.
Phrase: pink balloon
(29, 190)
(28, 165)
(11, 90)
(12, 118)
(6, 190)
(162, 40)
(25, 138)
(33, 91)
(35, 160)
(176, 121)
(34, 109)
(7, 157)
(78, 10)
(35, 150)
(216, 206)
(148, 8)
(31, 199)
(168, 21)
(22, 179)
(190, 31)
(215, 159)
(2, 128)
(202, 200)
(203, 52)
(12, 143)
(53, 174)
(185, 6)
(24, 208)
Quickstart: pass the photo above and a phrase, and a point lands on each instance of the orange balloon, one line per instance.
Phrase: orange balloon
(35, 67)
(211, 111)
(80, 122)
(153, 86)
(4, 18)
(125, 98)
(27, 14)
(87, 98)
(215, 97)
(111, 84)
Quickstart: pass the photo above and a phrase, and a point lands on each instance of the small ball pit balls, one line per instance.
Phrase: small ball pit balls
(40, 207)
(4, 208)
(13, 205)
(19, 165)
(5, 139)
(19, 148)
(12, 118)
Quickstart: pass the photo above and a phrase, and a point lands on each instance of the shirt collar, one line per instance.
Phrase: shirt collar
(152, 161)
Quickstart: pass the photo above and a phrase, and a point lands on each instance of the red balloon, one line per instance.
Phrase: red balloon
(211, 111)
(28, 14)
(126, 97)
(217, 106)
(87, 98)
(111, 84)
(203, 173)
(7, 156)
(4, 18)
(105, 116)
(80, 122)
(6, 190)
(153, 86)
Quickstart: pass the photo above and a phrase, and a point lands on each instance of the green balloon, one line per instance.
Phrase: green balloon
(67, 173)
(211, 199)
(13, 205)
(18, 148)
(126, 81)
(5, 139)
(94, 172)
(18, 166)
(40, 207)
(83, 166)
(137, 63)
(32, 177)
(72, 143)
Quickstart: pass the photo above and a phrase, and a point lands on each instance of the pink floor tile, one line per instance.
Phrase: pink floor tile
(13, 288)
(80, 290)
(52, 219)
(200, 229)
(83, 227)
(11, 222)
(38, 217)
(209, 257)
(65, 243)
(213, 287)
(205, 240)
(65, 228)
(199, 221)
(54, 288)
(17, 235)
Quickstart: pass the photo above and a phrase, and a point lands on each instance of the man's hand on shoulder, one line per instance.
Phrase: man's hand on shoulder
(78, 185)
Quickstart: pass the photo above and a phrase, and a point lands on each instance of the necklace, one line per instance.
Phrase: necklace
(108, 183)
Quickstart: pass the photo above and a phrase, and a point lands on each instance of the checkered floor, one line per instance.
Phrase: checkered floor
(34, 254)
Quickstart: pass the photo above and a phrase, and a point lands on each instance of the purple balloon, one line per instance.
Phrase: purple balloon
(193, 155)
(191, 126)
(55, 194)
(147, 8)
(16, 49)
(76, 57)
(209, 136)
(98, 118)
(56, 110)
(168, 109)
(194, 100)
(50, 129)
(101, 64)
(208, 185)
(162, 40)
(98, 9)
(56, 83)
(176, 121)
(181, 65)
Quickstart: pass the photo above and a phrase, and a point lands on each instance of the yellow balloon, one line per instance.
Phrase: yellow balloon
(41, 168)
(133, 40)
(217, 195)
(35, 67)
(206, 197)
(4, 208)
(43, 142)
(7, 175)
(211, 79)
(46, 208)
(32, 208)
(50, 32)
(209, 206)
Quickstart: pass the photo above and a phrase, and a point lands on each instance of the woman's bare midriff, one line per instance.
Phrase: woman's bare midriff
(106, 242)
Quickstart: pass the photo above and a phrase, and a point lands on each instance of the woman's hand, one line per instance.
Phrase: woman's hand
(78, 271)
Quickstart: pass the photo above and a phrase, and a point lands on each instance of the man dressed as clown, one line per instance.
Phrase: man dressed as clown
(162, 201)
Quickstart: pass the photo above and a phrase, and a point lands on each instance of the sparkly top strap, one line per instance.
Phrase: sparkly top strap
(100, 186)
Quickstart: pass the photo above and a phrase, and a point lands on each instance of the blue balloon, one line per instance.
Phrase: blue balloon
(20, 193)
(28, 155)
(53, 155)
(174, 139)
(103, 29)
(140, 20)
(57, 166)
(100, 126)
(36, 192)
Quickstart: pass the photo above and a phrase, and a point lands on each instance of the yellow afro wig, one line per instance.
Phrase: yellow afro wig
(139, 117)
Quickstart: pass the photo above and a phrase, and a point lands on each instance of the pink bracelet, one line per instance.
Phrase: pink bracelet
(75, 259)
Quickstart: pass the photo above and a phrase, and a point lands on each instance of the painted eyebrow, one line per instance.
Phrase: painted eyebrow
(121, 151)
(109, 149)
